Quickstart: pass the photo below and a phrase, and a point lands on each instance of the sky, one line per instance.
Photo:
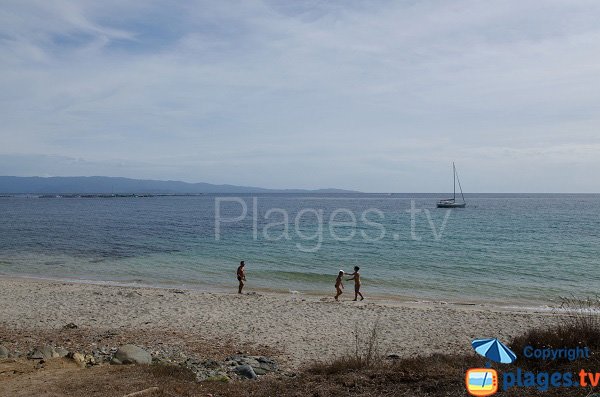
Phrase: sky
(377, 96)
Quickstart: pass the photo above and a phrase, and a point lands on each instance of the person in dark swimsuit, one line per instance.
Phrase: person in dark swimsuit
(241, 276)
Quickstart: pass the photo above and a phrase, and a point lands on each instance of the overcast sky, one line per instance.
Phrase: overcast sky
(367, 95)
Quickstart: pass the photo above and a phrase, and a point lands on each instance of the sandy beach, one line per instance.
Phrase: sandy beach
(299, 329)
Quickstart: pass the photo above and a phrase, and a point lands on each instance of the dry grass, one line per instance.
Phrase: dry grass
(366, 355)
(577, 326)
(584, 313)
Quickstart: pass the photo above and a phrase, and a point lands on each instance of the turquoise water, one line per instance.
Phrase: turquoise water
(501, 248)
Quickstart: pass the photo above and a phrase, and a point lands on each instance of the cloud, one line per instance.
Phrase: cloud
(306, 94)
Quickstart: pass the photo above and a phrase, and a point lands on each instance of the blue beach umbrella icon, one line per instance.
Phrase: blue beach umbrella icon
(494, 350)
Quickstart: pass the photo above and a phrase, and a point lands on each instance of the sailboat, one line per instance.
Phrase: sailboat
(451, 202)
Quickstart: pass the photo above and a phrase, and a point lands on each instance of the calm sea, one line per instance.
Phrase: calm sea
(513, 249)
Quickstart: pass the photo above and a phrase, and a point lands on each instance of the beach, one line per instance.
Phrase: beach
(294, 328)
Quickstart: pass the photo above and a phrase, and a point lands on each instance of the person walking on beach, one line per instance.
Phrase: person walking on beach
(241, 276)
(338, 284)
(356, 278)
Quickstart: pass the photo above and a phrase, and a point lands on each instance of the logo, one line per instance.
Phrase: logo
(482, 382)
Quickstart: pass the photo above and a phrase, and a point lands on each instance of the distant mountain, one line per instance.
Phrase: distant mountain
(105, 184)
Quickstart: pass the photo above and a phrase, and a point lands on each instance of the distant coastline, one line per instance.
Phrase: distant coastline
(106, 185)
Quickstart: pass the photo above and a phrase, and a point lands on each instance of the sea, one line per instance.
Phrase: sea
(504, 249)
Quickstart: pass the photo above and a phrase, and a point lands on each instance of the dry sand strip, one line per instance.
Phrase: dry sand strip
(305, 328)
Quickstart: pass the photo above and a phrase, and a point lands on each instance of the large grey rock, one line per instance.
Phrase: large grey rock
(245, 371)
(42, 353)
(3, 352)
(131, 354)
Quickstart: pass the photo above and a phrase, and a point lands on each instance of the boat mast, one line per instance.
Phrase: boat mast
(454, 178)
(460, 187)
